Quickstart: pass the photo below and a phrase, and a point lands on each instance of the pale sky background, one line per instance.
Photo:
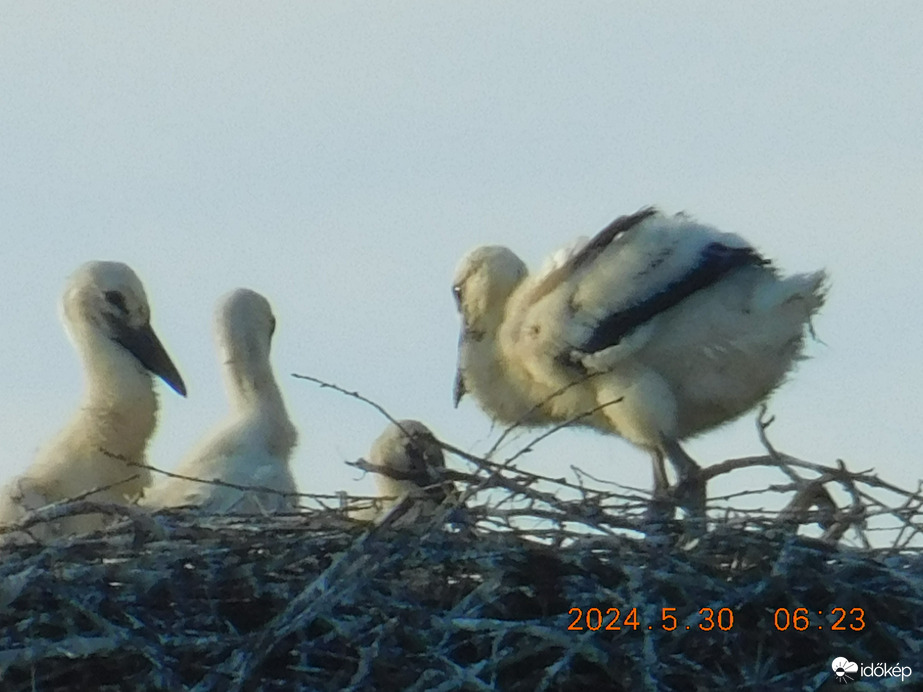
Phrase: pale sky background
(340, 157)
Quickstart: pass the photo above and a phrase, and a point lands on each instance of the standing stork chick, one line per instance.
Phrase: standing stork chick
(657, 329)
(106, 314)
(410, 462)
(252, 448)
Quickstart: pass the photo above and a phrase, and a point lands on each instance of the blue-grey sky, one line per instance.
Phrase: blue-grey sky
(340, 157)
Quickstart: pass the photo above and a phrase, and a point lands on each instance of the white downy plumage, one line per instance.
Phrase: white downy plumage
(252, 448)
(106, 314)
(682, 326)
(410, 473)
(411, 462)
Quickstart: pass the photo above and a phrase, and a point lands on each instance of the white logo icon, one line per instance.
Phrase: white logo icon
(841, 668)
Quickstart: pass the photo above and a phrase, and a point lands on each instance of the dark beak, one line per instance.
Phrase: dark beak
(144, 345)
(460, 389)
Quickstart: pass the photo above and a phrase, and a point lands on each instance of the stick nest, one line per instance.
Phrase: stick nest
(513, 588)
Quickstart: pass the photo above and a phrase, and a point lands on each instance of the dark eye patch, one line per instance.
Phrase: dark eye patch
(457, 290)
(117, 300)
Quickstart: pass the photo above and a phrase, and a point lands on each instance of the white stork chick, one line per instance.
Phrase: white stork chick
(252, 448)
(106, 314)
(685, 327)
(410, 463)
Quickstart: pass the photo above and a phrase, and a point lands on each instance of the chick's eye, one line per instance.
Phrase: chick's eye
(116, 300)
(457, 290)
(272, 326)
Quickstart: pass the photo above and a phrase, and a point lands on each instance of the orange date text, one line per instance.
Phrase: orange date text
(615, 620)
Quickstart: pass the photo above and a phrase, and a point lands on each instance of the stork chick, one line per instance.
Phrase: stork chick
(107, 316)
(657, 329)
(410, 462)
(252, 448)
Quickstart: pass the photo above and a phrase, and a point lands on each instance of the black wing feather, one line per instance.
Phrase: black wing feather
(590, 251)
(715, 262)
(602, 239)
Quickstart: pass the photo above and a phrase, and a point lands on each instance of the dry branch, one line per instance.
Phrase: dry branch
(315, 600)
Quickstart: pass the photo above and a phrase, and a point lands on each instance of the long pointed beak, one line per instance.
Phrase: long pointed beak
(460, 389)
(144, 345)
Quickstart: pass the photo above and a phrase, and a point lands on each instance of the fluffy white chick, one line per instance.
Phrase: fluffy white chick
(252, 448)
(106, 314)
(657, 329)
